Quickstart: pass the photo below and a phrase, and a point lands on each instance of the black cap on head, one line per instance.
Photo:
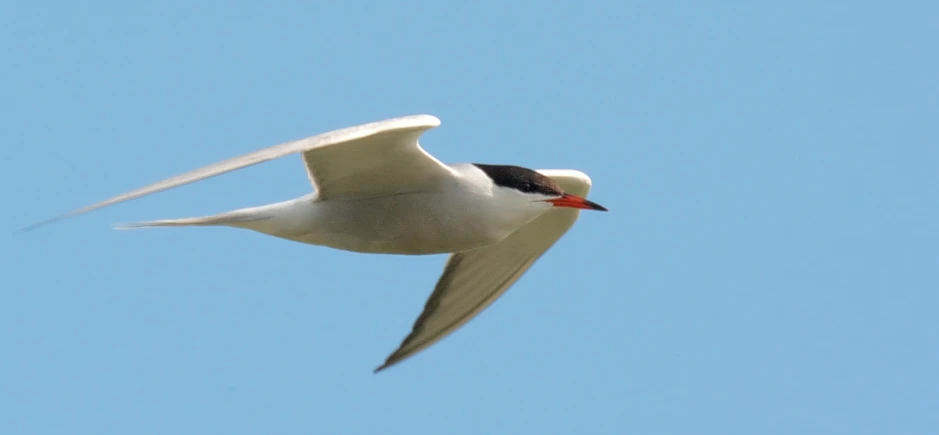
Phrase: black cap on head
(522, 179)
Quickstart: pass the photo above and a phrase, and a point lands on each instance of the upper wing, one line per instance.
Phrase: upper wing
(473, 280)
(387, 148)
(387, 160)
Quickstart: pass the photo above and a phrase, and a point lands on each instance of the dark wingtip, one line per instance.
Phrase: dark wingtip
(38, 225)
(50, 221)
(382, 367)
(392, 359)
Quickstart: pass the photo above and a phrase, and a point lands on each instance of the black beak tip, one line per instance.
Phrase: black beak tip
(595, 206)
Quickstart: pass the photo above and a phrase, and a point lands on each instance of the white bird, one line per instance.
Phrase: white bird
(377, 191)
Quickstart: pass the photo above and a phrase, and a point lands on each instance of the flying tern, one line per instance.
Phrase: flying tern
(377, 191)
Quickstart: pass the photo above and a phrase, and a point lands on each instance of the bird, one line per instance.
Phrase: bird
(377, 191)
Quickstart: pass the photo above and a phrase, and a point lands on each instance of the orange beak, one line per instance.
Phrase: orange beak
(573, 201)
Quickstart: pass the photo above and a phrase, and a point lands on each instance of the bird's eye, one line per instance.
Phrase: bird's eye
(527, 187)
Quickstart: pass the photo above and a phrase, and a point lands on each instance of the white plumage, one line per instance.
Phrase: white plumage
(378, 191)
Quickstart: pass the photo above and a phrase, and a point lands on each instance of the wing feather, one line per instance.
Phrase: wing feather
(473, 280)
(399, 135)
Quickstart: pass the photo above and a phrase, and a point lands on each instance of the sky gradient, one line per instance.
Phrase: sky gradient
(769, 264)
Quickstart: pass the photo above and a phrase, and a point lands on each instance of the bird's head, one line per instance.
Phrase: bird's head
(530, 190)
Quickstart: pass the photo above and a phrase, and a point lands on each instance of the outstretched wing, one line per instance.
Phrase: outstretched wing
(386, 160)
(369, 159)
(473, 280)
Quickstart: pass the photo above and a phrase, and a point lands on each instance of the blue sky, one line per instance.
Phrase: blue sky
(769, 263)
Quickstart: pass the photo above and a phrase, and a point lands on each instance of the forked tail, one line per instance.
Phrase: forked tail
(282, 218)
(231, 219)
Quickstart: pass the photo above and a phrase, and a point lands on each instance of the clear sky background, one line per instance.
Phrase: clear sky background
(769, 264)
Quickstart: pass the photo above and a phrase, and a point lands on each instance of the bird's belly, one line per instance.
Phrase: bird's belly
(402, 226)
